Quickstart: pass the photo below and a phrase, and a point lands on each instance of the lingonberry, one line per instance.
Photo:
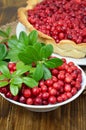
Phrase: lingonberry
(67, 88)
(22, 99)
(16, 98)
(29, 101)
(9, 95)
(4, 90)
(45, 95)
(65, 82)
(35, 91)
(54, 79)
(49, 82)
(43, 88)
(54, 72)
(53, 92)
(45, 102)
(27, 93)
(59, 99)
(37, 101)
(52, 100)
(64, 96)
(56, 86)
(73, 91)
(68, 79)
(60, 23)
(12, 66)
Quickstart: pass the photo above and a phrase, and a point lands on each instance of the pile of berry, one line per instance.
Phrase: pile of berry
(60, 19)
(65, 83)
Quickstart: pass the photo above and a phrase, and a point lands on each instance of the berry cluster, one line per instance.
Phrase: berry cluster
(65, 82)
(60, 19)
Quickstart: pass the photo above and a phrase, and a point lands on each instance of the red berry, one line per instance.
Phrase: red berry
(48, 82)
(67, 88)
(59, 99)
(52, 100)
(56, 85)
(69, 95)
(12, 66)
(45, 95)
(54, 79)
(45, 102)
(15, 98)
(22, 99)
(27, 93)
(53, 92)
(73, 91)
(9, 95)
(4, 90)
(68, 79)
(54, 72)
(43, 88)
(35, 91)
(78, 85)
(41, 83)
(37, 101)
(29, 101)
(64, 97)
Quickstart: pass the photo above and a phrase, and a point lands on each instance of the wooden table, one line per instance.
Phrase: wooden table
(68, 117)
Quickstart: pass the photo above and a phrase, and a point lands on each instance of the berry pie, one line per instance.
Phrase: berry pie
(61, 23)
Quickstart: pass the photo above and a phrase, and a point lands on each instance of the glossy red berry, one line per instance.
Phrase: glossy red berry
(35, 91)
(52, 100)
(27, 93)
(29, 101)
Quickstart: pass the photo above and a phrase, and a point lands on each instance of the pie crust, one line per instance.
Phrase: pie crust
(64, 48)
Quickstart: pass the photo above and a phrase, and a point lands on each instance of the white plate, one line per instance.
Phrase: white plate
(20, 27)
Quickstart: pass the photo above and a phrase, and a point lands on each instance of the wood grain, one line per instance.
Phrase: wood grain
(8, 10)
(68, 117)
(12, 117)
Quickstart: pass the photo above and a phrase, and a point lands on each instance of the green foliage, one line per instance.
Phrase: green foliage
(25, 51)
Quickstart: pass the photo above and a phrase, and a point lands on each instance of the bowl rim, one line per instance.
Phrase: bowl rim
(53, 105)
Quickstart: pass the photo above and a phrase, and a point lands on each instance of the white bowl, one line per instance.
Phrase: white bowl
(46, 108)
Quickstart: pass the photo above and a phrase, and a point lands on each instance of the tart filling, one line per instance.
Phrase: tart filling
(59, 22)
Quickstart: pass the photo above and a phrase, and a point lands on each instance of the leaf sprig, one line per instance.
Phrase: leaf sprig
(25, 51)
(5, 35)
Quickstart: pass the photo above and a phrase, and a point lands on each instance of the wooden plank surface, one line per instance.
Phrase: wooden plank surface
(12, 117)
(8, 10)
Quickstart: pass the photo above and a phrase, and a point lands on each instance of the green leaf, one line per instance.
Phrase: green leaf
(3, 34)
(13, 55)
(38, 74)
(33, 36)
(20, 65)
(3, 63)
(5, 71)
(3, 83)
(3, 51)
(29, 82)
(16, 81)
(21, 71)
(15, 44)
(2, 77)
(47, 73)
(38, 46)
(46, 51)
(12, 43)
(8, 31)
(14, 89)
(23, 38)
(29, 56)
(53, 62)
